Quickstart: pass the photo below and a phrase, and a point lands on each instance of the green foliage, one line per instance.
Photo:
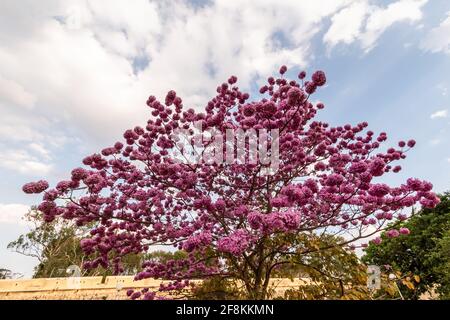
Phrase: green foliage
(442, 270)
(217, 288)
(163, 256)
(54, 245)
(8, 274)
(332, 273)
(424, 253)
(392, 281)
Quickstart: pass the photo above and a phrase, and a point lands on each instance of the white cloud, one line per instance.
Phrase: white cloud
(23, 162)
(383, 18)
(40, 149)
(13, 213)
(75, 61)
(86, 68)
(21, 126)
(443, 89)
(365, 22)
(346, 25)
(13, 93)
(435, 142)
(438, 39)
(28, 142)
(439, 114)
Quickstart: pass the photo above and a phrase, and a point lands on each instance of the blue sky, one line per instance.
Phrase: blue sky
(75, 74)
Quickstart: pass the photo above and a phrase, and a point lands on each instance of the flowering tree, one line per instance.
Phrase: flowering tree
(234, 220)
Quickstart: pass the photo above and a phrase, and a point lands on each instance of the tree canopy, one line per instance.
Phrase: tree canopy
(238, 214)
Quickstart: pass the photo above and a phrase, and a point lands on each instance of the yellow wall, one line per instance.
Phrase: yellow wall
(90, 287)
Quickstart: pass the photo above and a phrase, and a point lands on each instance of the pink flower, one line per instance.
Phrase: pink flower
(377, 167)
(310, 87)
(236, 243)
(414, 184)
(291, 220)
(196, 241)
(255, 220)
(379, 190)
(170, 97)
(334, 179)
(118, 146)
(269, 108)
(249, 110)
(319, 78)
(320, 166)
(149, 296)
(397, 169)
(136, 295)
(392, 233)
(283, 69)
(79, 174)
(404, 231)
(408, 201)
(376, 241)
(295, 96)
(130, 292)
(64, 185)
(358, 167)
(411, 143)
(232, 80)
(279, 202)
(35, 187)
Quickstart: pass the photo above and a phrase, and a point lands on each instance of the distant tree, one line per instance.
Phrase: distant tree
(5, 274)
(424, 253)
(8, 274)
(56, 246)
(162, 256)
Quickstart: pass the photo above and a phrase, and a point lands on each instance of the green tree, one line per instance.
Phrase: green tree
(333, 273)
(423, 253)
(8, 274)
(162, 256)
(442, 270)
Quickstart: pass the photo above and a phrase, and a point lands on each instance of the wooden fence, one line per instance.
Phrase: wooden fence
(93, 288)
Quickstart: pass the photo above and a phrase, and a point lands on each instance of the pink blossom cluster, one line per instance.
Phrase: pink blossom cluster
(394, 233)
(197, 241)
(35, 187)
(277, 221)
(236, 243)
